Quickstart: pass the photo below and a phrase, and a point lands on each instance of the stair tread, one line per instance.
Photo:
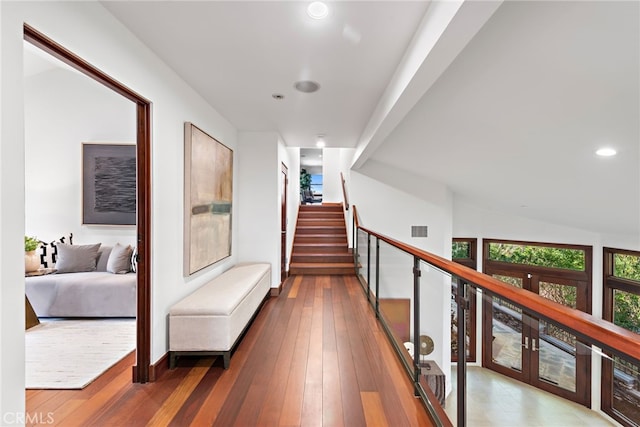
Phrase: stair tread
(321, 264)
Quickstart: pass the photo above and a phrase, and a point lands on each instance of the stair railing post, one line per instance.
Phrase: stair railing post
(462, 304)
(416, 324)
(368, 267)
(377, 277)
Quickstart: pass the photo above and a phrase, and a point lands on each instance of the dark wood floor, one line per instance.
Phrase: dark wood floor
(315, 355)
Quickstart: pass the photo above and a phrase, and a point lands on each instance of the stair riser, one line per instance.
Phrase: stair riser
(319, 249)
(322, 258)
(324, 207)
(320, 222)
(309, 214)
(301, 238)
(322, 271)
(320, 230)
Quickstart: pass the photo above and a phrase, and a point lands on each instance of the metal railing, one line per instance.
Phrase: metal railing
(367, 246)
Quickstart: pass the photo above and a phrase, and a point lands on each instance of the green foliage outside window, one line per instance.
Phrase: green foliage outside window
(571, 259)
(460, 250)
(626, 308)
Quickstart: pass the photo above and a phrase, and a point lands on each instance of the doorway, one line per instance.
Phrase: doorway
(311, 179)
(141, 371)
(284, 183)
(529, 349)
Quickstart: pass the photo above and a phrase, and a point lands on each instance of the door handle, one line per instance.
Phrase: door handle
(533, 345)
(526, 343)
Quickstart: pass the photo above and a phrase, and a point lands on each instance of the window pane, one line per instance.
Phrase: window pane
(460, 250)
(572, 259)
(626, 391)
(626, 310)
(626, 266)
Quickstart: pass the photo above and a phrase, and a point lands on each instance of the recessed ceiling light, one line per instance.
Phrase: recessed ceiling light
(606, 152)
(277, 96)
(317, 10)
(306, 86)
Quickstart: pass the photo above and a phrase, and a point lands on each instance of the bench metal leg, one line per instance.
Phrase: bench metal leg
(226, 358)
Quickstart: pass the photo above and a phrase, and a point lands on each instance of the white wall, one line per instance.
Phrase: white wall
(334, 161)
(64, 109)
(259, 207)
(383, 207)
(292, 156)
(88, 30)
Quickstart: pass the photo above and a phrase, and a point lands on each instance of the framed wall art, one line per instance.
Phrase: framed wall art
(108, 184)
(208, 195)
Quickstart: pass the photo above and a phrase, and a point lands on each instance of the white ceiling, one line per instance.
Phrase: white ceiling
(512, 123)
(236, 54)
(515, 120)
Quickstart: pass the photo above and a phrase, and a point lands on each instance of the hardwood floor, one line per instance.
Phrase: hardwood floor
(314, 356)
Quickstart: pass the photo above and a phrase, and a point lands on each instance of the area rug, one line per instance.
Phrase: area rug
(70, 354)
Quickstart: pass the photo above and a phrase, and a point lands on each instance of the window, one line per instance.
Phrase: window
(463, 251)
(621, 305)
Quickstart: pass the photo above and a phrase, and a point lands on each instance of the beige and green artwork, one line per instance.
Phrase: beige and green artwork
(208, 198)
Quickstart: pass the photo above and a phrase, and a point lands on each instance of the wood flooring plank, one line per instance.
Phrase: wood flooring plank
(276, 389)
(140, 402)
(312, 399)
(392, 382)
(347, 357)
(96, 403)
(373, 410)
(332, 411)
(291, 412)
(172, 405)
(65, 410)
(260, 361)
(216, 397)
(194, 401)
(293, 293)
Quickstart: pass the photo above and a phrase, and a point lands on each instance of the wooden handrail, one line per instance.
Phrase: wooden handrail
(344, 193)
(586, 326)
(356, 221)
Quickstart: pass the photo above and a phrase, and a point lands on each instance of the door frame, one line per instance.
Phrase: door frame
(142, 368)
(284, 171)
(531, 276)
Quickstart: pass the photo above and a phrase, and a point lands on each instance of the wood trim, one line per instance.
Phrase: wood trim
(583, 325)
(143, 152)
(158, 369)
(277, 291)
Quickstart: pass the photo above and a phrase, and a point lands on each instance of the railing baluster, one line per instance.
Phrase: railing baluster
(368, 267)
(461, 304)
(416, 324)
(377, 277)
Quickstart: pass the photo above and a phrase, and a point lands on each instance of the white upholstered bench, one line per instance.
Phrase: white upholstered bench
(211, 320)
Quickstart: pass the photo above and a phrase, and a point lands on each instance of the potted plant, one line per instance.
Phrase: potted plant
(31, 258)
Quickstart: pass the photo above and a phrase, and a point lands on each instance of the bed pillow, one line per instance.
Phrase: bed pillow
(76, 258)
(120, 259)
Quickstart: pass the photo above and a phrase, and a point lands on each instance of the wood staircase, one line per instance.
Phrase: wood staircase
(320, 244)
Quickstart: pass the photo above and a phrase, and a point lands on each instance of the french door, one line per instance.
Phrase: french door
(529, 349)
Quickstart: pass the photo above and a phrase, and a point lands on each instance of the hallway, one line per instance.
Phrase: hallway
(315, 355)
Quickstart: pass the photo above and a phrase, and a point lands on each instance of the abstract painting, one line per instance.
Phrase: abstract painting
(208, 189)
(108, 184)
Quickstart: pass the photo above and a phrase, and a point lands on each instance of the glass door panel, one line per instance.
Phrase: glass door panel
(555, 360)
(556, 350)
(507, 339)
(504, 334)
